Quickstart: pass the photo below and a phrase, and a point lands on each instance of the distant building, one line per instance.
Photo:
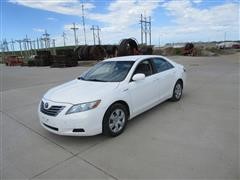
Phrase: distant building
(230, 44)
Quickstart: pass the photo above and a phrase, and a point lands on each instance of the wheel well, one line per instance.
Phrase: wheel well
(181, 81)
(123, 103)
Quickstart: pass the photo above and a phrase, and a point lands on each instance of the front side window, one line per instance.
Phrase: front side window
(161, 64)
(108, 71)
(144, 67)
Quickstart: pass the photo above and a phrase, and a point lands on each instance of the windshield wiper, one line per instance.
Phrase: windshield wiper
(97, 80)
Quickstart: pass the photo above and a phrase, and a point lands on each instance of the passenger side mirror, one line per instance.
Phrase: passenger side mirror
(138, 77)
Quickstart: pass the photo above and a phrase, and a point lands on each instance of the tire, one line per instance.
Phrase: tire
(177, 91)
(114, 126)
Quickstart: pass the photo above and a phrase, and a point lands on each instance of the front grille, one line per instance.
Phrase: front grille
(52, 111)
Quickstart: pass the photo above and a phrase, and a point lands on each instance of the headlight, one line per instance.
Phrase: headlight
(83, 107)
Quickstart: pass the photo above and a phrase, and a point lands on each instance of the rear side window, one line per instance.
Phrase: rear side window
(161, 64)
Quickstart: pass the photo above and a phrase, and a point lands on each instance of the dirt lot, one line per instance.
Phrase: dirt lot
(197, 137)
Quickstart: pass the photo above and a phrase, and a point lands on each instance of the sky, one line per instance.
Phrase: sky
(172, 20)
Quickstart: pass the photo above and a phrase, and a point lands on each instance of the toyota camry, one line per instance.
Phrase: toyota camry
(105, 97)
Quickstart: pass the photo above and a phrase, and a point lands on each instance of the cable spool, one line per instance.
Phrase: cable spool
(128, 47)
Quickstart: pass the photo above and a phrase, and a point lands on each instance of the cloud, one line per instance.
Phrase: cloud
(197, 1)
(38, 29)
(193, 23)
(52, 19)
(67, 7)
(123, 14)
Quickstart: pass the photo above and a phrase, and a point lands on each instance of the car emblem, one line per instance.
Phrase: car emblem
(46, 105)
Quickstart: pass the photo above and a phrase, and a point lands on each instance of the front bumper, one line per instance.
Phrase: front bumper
(87, 123)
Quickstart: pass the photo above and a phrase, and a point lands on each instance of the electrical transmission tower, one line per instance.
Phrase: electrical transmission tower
(94, 30)
(74, 28)
(64, 38)
(146, 29)
(83, 21)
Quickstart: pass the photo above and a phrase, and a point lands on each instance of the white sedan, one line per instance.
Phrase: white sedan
(110, 93)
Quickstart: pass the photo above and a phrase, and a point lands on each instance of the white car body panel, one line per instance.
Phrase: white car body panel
(139, 95)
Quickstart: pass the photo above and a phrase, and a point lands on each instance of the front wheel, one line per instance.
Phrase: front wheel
(115, 120)
(177, 91)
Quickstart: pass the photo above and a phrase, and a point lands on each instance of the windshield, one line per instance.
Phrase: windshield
(108, 71)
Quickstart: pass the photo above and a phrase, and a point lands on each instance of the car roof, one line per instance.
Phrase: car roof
(132, 58)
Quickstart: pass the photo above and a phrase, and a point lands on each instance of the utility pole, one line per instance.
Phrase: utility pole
(38, 43)
(41, 43)
(33, 45)
(141, 22)
(83, 21)
(53, 43)
(145, 29)
(5, 45)
(26, 45)
(96, 28)
(20, 45)
(159, 44)
(12, 46)
(225, 37)
(46, 39)
(64, 38)
(93, 30)
(74, 28)
(150, 31)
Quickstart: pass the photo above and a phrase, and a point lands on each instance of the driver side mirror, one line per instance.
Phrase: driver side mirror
(139, 76)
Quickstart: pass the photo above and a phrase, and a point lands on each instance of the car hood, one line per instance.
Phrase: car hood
(79, 91)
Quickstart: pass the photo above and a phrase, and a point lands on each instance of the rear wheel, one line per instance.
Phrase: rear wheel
(177, 91)
(115, 120)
